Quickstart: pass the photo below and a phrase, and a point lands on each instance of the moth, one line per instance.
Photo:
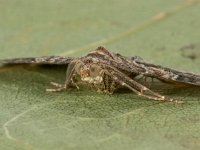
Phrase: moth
(106, 71)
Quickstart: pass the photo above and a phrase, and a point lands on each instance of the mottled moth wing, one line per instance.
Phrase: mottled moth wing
(52, 60)
(168, 75)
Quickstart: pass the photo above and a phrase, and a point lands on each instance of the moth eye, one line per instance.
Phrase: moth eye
(93, 69)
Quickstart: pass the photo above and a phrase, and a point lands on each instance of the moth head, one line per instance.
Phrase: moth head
(91, 73)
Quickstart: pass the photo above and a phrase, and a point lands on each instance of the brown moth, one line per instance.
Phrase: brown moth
(107, 71)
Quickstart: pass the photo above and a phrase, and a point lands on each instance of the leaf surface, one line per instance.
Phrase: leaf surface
(162, 32)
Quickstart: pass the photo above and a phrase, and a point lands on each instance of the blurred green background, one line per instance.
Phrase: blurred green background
(162, 32)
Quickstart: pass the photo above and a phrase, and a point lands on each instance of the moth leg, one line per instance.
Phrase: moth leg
(136, 87)
(57, 89)
(73, 81)
(70, 74)
(148, 83)
(56, 84)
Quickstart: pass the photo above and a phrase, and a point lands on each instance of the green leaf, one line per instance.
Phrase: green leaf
(162, 32)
